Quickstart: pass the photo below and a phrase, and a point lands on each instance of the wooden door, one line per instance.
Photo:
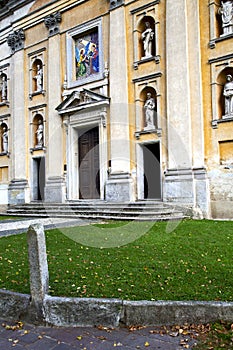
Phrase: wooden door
(89, 181)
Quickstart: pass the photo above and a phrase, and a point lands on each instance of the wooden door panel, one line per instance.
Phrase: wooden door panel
(89, 164)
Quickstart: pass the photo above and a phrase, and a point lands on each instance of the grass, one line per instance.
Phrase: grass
(216, 336)
(9, 217)
(192, 262)
(211, 336)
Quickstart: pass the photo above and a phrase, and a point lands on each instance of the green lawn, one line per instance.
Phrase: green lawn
(192, 262)
(9, 217)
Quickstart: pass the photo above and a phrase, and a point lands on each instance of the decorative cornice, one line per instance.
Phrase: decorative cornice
(16, 40)
(148, 59)
(147, 77)
(141, 8)
(34, 108)
(221, 58)
(9, 7)
(157, 131)
(52, 23)
(116, 3)
(215, 122)
(213, 42)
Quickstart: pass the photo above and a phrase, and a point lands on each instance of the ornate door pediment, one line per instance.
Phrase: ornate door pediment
(79, 100)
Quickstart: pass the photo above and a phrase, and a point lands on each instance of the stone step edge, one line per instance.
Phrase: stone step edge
(105, 217)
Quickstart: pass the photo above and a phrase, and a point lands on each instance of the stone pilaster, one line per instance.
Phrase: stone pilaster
(55, 184)
(184, 120)
(119, 184)
(18, 188)
(178, 88)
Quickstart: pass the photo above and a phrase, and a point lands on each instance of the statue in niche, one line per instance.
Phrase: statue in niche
(39, 78)
(4, 88)
(40, 134)
(228, 94)
(147, 38)
(226, 11)
(5, 140)
(149, 108)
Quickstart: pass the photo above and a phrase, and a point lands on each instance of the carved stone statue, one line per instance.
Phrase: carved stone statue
(149, 108)
(226, 10)
(147, 38)
(39, 78)
(228, 94)
(4, 88)
(5, 140)
(40, 134)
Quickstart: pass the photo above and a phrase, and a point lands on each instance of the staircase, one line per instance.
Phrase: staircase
(140, 211)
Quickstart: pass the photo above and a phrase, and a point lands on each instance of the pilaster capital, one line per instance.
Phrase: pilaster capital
(116, 3)
(52, 23)
(16, 40)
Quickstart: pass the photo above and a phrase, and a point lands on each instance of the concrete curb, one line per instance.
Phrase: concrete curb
(84, 312)
(157, 313)
(13, 305)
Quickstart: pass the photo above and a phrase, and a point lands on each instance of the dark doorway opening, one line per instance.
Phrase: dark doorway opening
(39, 178)
(152, 171)
(89, 176)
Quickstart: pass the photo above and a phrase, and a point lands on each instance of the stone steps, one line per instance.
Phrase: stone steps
(140, 211)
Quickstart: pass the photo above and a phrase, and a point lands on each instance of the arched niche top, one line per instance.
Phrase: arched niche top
(4, 125)
(143, 20)
(145, 91)
(37, 117)
(221, 78)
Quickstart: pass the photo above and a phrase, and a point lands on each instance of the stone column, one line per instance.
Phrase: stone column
(55, 183)
(119, 184)
(39, 275)
(18, 188)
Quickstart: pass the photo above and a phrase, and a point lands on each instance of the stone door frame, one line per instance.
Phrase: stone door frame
(140, 169)
(74, 128)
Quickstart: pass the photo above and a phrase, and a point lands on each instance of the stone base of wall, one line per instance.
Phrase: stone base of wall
(119, 188)
(3, 194)
(18, 192)
(222, 210)
(55, 190)
(188, 187)
(221, 193)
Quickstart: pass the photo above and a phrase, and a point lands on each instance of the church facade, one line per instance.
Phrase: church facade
(117, 101)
